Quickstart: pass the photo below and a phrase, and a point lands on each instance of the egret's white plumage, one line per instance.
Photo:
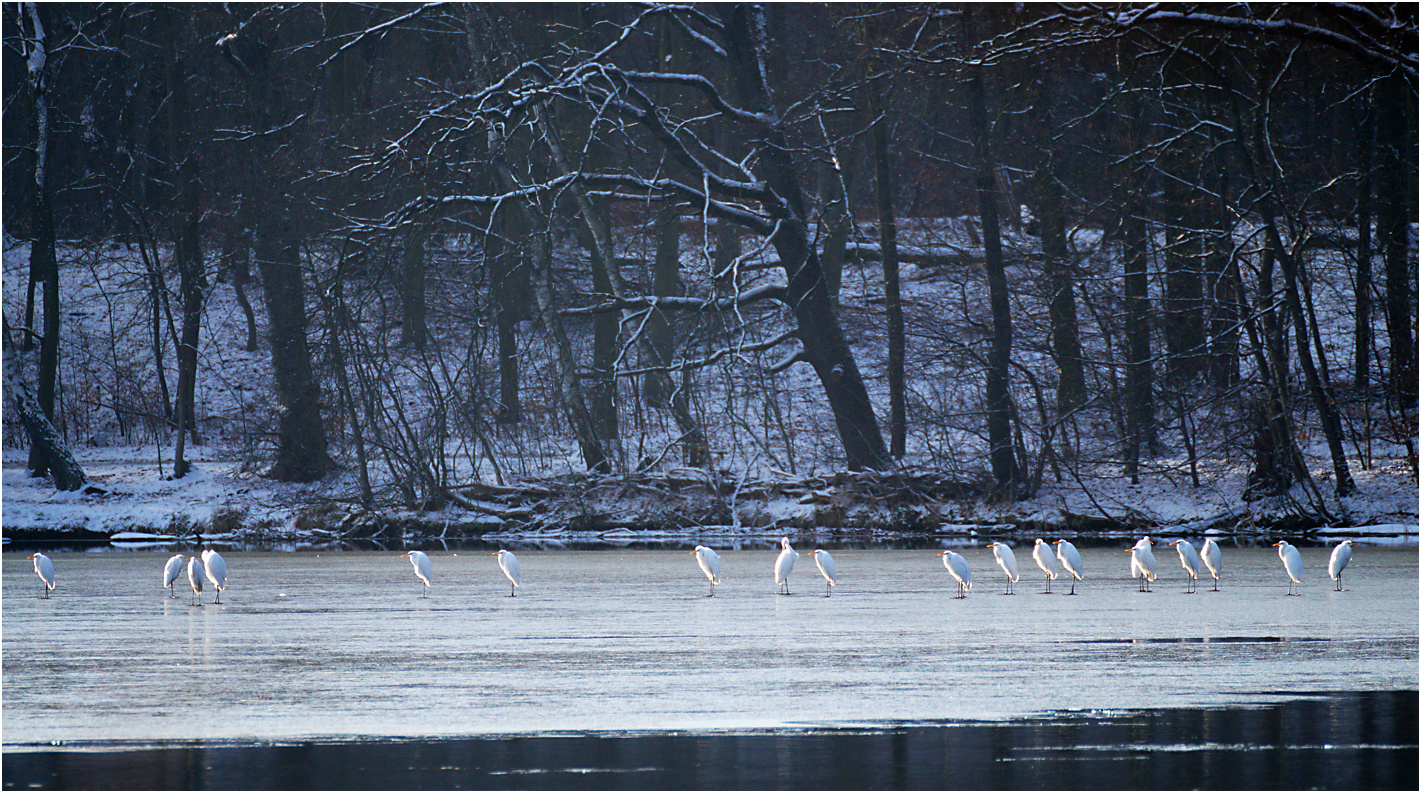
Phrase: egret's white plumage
(1341, 555)
(44, 568)
(1189, 560)
(709, 561)
(784, 563)
(216, 572)
(1142, 563)
(825, 563)
(1007, 560)
(194, 576)
(509, 564)
(1046, 561)
(171, 571)
(1212, 559)
(1070, 559)
(1292, 562)
(956, 564)
(422, 569)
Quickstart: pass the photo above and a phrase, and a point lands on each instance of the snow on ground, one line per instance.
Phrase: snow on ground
(107, 353)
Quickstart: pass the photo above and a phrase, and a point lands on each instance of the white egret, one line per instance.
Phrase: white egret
(1007, 560)
(422, 570)
(1341, 555)
(216, 572)
(509, 564)
(825, 563)
(1046, 561)
(44, 568)
(171, 571)
(1211, 556)
(710, 565)
(1292, 562)
(195, 572)
(1142, 563)
(784, 563)
(957, 566)
(1189, 560)
(1070, 559)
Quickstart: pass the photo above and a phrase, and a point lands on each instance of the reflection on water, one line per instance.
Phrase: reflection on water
(1355, 740)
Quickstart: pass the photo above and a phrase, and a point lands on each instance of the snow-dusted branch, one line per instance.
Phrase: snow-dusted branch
(1373, 52)
(653, 302)
(360, 36)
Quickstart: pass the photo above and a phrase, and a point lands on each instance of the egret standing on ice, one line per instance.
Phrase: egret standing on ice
(1341, 555)
(1070, 559)
(509, 564)
(1189, 559)
(216, 572)
(194, 576)
(710, 565)
(957, 566)
(1046, 561)
(171, 571)
(1292, 562)
(1007, 560)
(1142, 563)
(422, 569)
(825, 563)
(784, 563)
(45, 570)
(1211, 556)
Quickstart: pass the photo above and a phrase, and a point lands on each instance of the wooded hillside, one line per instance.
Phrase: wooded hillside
(405, 250)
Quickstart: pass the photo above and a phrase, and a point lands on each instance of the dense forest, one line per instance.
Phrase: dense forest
(405, 250)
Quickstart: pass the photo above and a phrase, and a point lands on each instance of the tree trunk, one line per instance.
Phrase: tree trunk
(1398, 177)
(666, 267)
(1183, 310)
(44, 263)
(237, 253)
(187, 254)
(1051, 216)
(838, 222)
(1365, 125)
(892, 298)
(338, 325)
(301, 453)
(502, 266)
(606, 332)
(1316, 379)
(806, 292)
(44, 438)
(1276, 460)
(1223, 296)
(666, 282)
(1139, 372)
(1065, 330)
(999, 408)
(564, 365)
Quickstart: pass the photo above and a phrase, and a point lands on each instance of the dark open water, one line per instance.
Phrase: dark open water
(1360, 740)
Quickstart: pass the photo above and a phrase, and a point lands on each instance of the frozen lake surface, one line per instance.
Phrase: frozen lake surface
(341, 645)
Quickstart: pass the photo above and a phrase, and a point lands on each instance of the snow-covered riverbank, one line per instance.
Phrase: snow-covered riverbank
(220, 500)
